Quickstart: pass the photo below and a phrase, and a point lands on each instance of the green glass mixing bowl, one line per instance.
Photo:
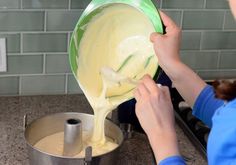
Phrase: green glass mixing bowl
(94, 8)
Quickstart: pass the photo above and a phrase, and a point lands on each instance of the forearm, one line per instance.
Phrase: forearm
(186, 81)
(164, 145)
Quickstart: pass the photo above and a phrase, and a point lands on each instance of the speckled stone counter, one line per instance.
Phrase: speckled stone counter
(134, 151)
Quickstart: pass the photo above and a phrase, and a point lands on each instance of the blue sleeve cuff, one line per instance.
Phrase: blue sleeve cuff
(206, 104)
(198, 103)
(173, 160)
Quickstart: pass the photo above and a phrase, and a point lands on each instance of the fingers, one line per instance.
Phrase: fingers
(154, 37)
(166, 93)
(137, 94)
(149, 83)
(141, 92)
(167, 21)
(145, 89)
(165, 90)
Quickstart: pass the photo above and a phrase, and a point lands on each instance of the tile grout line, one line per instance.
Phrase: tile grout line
(26, 54)
(207, 50)
(37, 32)
(194, 9)
(44, 63)
(182, 19)
(36, 9)
(212, 70)
(224, 20)
(68, 42)
(21, 4)
(34, 94)
(205, 4)
(45, 21)
(68, 46)
(21, 43)
(35, 74)
(200, 46)
(38, 53)
(213, 30)
(20, 85)
(219, 59)
(66, 84)
(69, 5)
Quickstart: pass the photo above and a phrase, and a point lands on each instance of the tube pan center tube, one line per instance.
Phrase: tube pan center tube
(72, 137)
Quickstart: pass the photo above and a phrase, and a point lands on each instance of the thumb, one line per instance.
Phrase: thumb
(155, 36)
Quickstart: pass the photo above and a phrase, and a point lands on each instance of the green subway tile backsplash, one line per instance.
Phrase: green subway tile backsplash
(78, 4)
(73, 86)
(42, 84)
(206, 20)
(229, 21)
(217, 4)
(175, 16)
(191, 40)
(45, 42)
(62, 20)
(227, 60)
(9, 4)
(12, 42)
(45, 4)
(183, 4)
(21, 21)
(218, 40)
(57, 63)
(217, 74)
(37, 41)
(200, 60)
(24, 64)
(9, 85)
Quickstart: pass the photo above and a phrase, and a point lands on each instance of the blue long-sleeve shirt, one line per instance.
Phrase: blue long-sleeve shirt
(221, 147)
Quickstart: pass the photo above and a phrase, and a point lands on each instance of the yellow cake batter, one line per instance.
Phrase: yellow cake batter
(53, 144)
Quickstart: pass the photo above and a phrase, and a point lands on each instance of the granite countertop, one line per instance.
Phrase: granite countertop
(134, 151)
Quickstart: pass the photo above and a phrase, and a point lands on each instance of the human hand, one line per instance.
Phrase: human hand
(154, 108)
(155, 113)
(167, 45)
